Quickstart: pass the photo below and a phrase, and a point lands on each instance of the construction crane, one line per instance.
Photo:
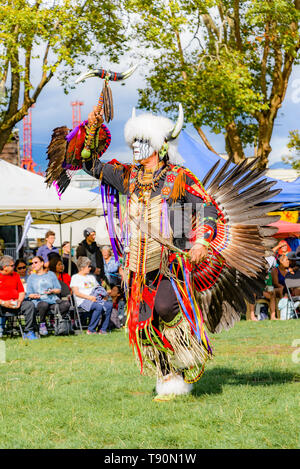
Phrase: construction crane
(76, 113)
(27, 161)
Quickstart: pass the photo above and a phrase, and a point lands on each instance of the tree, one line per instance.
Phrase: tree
(294, 144)
(58, 36)
(228, 62)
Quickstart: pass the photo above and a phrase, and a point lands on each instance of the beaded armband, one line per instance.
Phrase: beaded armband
(203, 242)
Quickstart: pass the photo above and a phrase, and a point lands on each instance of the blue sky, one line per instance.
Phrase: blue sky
(53, 109)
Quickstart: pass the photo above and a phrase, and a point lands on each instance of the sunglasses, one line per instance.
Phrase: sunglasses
(22, 268)
(36, 262)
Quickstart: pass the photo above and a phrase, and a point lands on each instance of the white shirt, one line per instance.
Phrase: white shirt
(85, 285)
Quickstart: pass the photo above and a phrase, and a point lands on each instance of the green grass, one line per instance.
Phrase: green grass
(86, 392)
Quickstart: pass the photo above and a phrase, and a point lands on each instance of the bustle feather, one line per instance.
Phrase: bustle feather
(243, 240)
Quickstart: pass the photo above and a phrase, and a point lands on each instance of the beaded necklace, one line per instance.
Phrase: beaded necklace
(148, 180)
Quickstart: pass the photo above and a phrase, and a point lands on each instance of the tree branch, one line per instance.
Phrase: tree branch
(264, 61)
(237, 30)
(210, 25)
(205, 140)
(5, 71)
(27, 83)
(223, 21)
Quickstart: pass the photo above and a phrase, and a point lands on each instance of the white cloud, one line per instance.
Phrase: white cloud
(279, 149)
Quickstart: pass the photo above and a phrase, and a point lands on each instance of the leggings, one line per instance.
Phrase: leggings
(44, 308)
(165, 307)
(165, 304)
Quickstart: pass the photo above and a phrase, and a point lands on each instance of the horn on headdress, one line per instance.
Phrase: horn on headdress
(133, 114)
(106, 74)
(178, 126)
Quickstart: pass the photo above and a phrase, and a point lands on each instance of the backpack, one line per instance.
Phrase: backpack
(63, 325)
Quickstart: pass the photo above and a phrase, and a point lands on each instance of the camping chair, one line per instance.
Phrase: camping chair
(13, 324)
(292, 283)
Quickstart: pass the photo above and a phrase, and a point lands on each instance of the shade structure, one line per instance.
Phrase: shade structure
(22, 191)
(199, 160)
(286, 229)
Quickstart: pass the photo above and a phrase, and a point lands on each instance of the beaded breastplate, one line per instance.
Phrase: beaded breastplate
(146, 254)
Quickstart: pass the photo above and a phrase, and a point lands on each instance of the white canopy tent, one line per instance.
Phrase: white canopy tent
(22, 191)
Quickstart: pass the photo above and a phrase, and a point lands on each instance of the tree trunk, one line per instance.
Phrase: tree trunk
(264, 136)
(234, 147)
(4, 135)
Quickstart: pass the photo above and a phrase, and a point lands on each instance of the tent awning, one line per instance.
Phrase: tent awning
(286, 229)
(22, 191)
(199, 160)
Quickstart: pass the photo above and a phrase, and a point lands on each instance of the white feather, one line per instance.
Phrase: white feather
(173, 384)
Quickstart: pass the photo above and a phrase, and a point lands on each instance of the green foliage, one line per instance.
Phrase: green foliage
(55, 38)
(225, 61)
(87, 392)
(294, 145)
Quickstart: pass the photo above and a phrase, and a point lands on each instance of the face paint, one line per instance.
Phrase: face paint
(142, 149)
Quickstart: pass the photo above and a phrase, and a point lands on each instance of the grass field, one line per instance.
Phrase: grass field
(86, 392)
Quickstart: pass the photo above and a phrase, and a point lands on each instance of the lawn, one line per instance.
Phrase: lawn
(86, 392)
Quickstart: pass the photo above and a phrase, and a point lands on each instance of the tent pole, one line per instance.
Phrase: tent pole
(60, 232)
(70, 254)
(17, 241)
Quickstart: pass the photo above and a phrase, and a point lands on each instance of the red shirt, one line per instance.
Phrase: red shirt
(64, 277)
(10, 286)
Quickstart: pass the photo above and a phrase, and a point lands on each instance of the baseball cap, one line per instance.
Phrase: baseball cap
(88, 231)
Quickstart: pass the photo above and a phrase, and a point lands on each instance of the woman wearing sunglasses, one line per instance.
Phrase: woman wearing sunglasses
(22, 269)
(43, 289)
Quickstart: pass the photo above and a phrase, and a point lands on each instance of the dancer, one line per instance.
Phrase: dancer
(192, 251)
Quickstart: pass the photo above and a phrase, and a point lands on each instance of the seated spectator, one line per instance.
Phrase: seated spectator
(43, 289)
(111, 267)
(66, 253)
(56, 265)
(278, 275)
(117, 318)
(48, 247)
(83, 285)
(269, 294)
(282, 248)
(12, 297)
(22, 269)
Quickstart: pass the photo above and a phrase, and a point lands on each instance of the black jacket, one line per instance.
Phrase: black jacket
(92, 251)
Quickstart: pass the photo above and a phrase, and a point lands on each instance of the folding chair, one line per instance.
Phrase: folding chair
(74, 308)
(292, 283)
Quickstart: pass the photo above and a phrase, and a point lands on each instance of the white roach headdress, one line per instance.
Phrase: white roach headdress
(154, 133)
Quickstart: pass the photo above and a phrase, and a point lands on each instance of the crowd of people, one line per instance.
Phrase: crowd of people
(283, 265)
(49, 284)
